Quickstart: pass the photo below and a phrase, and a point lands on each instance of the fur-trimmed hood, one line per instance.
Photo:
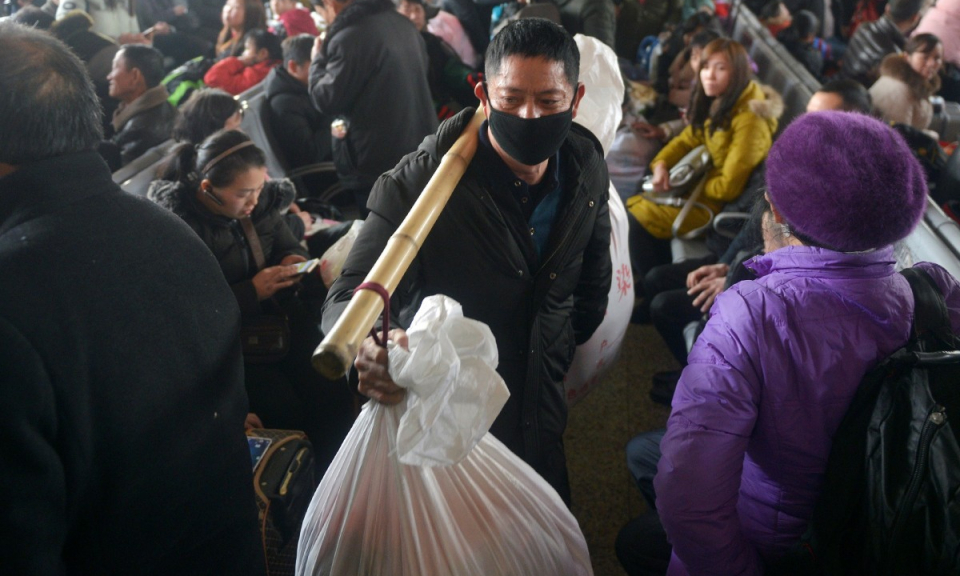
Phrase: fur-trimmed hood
(770, 108)
(178, 197)
(896, 66)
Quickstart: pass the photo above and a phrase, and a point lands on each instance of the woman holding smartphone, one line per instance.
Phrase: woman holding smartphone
(220, 189)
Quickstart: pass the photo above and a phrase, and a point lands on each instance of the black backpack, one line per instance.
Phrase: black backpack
(890, 502)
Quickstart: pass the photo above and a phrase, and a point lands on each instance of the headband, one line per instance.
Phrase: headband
(224, 154)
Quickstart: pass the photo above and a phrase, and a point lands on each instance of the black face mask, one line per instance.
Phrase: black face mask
(530, 141)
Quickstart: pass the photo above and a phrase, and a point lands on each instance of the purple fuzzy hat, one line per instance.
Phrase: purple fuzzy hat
(845, 180)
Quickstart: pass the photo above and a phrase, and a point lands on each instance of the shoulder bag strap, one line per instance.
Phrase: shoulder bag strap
(254, 241)
(930, 311)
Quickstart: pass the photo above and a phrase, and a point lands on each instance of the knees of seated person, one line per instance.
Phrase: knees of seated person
(670, 312)
(643, 454)
(672, 276)
(646, 251)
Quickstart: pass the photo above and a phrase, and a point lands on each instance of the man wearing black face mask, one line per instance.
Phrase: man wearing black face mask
(523, 243)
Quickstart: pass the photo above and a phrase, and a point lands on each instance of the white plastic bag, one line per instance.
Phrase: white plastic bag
(594, 358)
(488, 514)
(600, 73)
(331, 263)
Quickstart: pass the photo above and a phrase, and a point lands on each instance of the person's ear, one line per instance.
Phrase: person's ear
(581, 90)
(776, 215)
(292, 67)
(138, 76)
(480, 91)
(263, 54)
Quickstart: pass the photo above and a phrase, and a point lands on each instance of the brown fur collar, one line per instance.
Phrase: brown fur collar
(897, 67)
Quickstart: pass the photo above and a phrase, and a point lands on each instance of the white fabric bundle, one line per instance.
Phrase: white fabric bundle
(466, 505)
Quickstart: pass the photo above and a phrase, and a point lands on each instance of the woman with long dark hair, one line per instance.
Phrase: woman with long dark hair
(239, 17)
(735, 118)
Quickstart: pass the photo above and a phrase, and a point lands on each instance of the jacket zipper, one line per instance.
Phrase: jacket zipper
(935, 419)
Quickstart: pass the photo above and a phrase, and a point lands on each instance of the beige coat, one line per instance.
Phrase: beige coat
(902, 95)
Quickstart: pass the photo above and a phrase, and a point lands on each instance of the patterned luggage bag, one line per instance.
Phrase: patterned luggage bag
(284, 480)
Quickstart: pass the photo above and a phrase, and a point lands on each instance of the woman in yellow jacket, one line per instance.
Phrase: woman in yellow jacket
(735, 118)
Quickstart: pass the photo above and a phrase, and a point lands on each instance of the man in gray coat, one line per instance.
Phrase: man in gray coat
(369, 73)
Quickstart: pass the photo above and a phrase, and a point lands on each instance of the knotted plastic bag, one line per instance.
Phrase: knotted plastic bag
(469, 506)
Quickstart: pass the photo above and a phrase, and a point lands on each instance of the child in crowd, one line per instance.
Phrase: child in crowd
(775, 16)
(798, 39)
(235, 74)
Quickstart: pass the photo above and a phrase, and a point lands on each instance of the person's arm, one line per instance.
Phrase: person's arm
(338, 77)
(749, 145)
(284, 242)
(34, 517)
(677, 148)
(698, 477)
(592, 291)
(234, 76)
(136, 137)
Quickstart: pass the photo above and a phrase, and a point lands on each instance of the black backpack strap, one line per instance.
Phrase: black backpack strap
(930, 310)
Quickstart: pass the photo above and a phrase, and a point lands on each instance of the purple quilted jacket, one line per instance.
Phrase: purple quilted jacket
(767, 384)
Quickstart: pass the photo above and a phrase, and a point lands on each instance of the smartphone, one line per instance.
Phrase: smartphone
(258, 447)
(306, 267)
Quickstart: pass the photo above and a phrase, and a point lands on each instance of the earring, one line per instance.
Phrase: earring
(785, 230)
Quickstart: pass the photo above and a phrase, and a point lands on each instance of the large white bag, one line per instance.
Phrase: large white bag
(467, 506)
(600, 113)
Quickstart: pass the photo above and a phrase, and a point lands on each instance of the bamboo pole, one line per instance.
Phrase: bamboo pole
(339, 348)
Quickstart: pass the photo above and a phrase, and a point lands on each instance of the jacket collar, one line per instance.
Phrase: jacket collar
(51, 184)
(896, 66)
(823, 263)
(279, 81)
(150, 99)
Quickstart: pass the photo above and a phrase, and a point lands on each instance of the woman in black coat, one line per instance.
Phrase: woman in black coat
(220, 189)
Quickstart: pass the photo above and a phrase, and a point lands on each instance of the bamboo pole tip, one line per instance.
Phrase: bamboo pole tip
(331, 361)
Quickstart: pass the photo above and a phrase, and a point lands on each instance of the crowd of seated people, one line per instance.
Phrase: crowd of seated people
(331, 97)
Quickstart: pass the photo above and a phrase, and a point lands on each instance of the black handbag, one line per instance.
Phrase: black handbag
(265, 339)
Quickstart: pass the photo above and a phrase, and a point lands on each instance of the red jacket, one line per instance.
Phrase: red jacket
(232, 75)
(298, 21)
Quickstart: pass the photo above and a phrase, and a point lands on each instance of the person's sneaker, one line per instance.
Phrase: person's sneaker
(664, 385)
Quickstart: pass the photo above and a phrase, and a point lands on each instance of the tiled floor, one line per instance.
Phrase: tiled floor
(604, 496)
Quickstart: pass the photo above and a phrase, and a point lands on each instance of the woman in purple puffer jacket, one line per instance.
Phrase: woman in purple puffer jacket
(773, 373)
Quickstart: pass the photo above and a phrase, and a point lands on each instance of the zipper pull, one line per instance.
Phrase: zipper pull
(938, 416)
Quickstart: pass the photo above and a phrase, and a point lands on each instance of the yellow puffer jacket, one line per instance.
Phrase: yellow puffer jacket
(734, 152)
